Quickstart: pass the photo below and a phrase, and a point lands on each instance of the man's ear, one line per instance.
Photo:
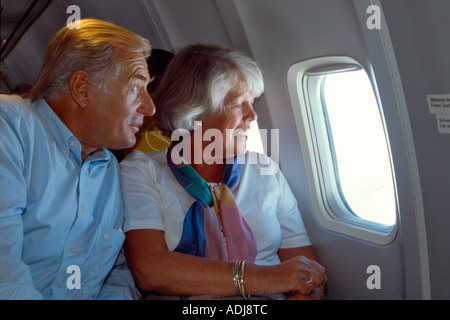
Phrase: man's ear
(79, 88)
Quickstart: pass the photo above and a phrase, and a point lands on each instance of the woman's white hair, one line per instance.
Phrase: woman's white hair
(91, 45)
(197, 81)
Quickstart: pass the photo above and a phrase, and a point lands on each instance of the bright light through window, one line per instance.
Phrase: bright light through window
(254, 141)
(359, 146)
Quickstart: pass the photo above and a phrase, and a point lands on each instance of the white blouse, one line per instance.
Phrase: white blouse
(155, 200)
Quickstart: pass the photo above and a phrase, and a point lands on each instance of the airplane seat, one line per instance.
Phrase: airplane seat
(150, 138)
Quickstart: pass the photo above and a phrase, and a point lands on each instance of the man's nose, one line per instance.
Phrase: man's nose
(147, 108)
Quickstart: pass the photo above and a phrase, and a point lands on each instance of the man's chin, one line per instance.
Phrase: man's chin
(126, 144)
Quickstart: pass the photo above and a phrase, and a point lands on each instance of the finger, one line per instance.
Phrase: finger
(311, 278)
(316, 272)
(304, 287)
(304, 283)
(324, 282)
(314, 264)
(310, 281)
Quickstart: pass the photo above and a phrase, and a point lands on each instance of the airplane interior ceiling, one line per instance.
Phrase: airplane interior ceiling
(12, 11)
(278, 34)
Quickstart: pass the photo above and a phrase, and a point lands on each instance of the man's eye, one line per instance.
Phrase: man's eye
(135, 89)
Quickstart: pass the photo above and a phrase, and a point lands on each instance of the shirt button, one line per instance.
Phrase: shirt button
(71, 144)
(74, 250)
(63, 151)
(61, 284)
(83, 209)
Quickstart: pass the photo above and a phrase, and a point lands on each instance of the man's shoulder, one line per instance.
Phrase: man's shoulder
(14, 106)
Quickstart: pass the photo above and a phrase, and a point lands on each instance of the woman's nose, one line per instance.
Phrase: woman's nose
(250, 113)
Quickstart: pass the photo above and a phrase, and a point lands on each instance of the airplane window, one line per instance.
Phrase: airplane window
(345, 148)
(358, 146)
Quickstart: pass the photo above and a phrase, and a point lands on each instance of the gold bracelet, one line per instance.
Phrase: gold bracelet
(238, 279)
(235, 277)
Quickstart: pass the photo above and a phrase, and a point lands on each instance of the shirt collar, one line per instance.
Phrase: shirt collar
(65, 140)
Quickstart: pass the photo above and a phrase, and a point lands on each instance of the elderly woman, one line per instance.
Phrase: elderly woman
(203, 221)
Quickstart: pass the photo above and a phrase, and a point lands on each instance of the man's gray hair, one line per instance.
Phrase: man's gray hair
(90, 46)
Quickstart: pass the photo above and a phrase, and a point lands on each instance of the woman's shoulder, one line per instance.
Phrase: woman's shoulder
(261, 162)
(140, 160)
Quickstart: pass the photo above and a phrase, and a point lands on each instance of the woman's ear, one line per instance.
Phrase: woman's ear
(79, 88)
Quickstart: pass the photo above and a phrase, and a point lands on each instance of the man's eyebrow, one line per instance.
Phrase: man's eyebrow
(142, 77)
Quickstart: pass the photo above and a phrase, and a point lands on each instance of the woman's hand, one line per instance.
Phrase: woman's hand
(296, 275)
(317, 294)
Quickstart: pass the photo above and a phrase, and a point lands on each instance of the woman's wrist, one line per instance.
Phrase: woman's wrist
(255, 279)
(238, 273)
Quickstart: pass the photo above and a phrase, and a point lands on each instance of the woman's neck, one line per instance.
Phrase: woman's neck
(210, 169)
(209, 172)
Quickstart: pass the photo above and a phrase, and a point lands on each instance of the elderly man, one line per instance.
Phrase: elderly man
(61, 208)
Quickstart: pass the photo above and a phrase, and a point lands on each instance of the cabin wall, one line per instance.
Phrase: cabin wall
(420, 36)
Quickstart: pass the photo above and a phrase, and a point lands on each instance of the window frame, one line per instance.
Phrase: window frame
(304, 81)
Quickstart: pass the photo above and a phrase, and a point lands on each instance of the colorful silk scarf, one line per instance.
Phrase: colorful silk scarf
(203, 225)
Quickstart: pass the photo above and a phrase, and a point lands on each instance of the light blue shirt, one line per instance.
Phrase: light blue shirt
(60, 218)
